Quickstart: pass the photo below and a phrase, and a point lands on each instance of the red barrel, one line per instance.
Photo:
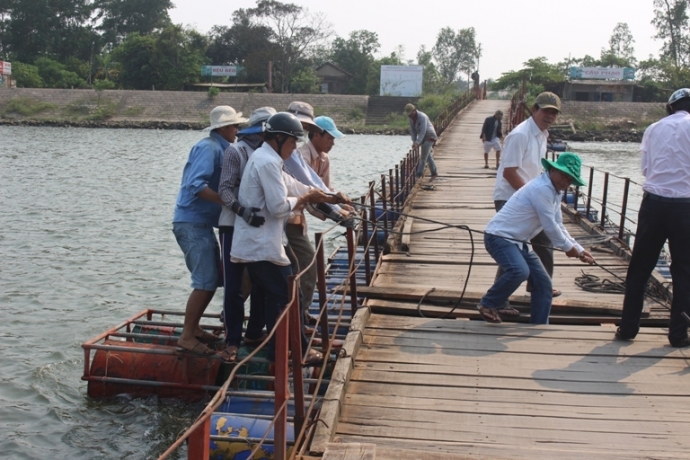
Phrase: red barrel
(185, 370)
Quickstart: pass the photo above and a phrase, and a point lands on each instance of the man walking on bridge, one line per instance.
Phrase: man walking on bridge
(523, 151)
(424, 137)
(491, 133)
(664, 215)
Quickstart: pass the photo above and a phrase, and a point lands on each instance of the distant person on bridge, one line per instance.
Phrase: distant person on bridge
(492, 132)
(664, 215)
(523, 150)
(196, 214)
(424, 137)
(534, 208)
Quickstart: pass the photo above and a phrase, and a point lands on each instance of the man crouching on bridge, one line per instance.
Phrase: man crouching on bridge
(534, 207)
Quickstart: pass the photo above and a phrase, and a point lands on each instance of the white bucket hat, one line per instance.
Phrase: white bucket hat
(304, 113)
(224, 115)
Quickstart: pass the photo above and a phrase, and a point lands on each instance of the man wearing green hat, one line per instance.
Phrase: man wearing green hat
(533, 208)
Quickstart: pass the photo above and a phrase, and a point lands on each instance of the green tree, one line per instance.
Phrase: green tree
(456, 52)
(137, 55)
(53, 28)
(432, 81)
(620, 52)
(179, 55)
(671, 22)
(119, 18)
(55, 74)
(538, 73)
(246, 44)
(305, 81)
(26, 75)
(295, 32)
(165, 60)
(355, 55)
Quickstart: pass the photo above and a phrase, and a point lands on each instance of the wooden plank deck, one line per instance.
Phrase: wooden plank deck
(431, 388)
(409, 387)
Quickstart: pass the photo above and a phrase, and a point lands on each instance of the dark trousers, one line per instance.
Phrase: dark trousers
(659, 221)
(541, 245)
(272, 280)
(233, 300)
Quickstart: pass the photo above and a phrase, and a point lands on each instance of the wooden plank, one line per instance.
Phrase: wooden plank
(350, 451)
(389, 292)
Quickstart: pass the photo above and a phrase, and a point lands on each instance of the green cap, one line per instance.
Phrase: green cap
(568, 163)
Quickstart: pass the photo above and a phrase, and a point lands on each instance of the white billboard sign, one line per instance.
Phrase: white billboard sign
(602, 73)
(5, 68)
(219, 71)
(401, 80)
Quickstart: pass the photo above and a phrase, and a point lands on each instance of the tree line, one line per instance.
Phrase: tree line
(657, 76)
(132, 44)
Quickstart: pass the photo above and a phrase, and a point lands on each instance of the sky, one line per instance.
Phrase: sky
(510, 31)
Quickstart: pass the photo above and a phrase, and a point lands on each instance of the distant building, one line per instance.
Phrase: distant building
(599, 90)
(334, 80)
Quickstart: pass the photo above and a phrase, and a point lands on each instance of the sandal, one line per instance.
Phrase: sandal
(207, 337)
(252, 342)
(556, 293)
(313, 358)
(490, 315)
(508, 311)
(199, 349)
(229, 355)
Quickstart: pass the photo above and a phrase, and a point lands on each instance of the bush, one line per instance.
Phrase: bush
(434, 104)
(26, 75)
(100, 85)
(55, 75)
(213, 92)
(25, 106)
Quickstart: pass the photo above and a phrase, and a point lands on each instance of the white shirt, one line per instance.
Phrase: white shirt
(523, 149)
(263, 186)
(666, 156)
(534, 207)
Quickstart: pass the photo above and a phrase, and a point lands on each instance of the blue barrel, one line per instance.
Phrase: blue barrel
(237, 429)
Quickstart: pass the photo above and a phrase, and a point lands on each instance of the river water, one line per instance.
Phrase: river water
(85, 242)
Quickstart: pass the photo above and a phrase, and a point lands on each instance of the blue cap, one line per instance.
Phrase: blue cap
(328, 125)
(252, 130)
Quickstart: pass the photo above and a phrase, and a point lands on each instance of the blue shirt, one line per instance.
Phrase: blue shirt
(201, 170)
(303, 172)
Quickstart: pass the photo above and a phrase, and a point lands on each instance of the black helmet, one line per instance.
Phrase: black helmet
(284, 123)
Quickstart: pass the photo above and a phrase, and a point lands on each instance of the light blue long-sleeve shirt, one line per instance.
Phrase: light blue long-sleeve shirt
(421, 129)
(202, 170)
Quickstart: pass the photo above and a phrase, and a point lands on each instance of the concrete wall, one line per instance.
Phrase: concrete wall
(174, 106)
(612, 114)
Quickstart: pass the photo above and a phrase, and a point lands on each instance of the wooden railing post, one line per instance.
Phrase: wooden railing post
(351, 248)
(365, 241)
(282, 390)
(295, 335)
(373, 217)
(589, 191)
(603, 199)
(323, 295)
(384, 203)
(396, 195)
(199, 445)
